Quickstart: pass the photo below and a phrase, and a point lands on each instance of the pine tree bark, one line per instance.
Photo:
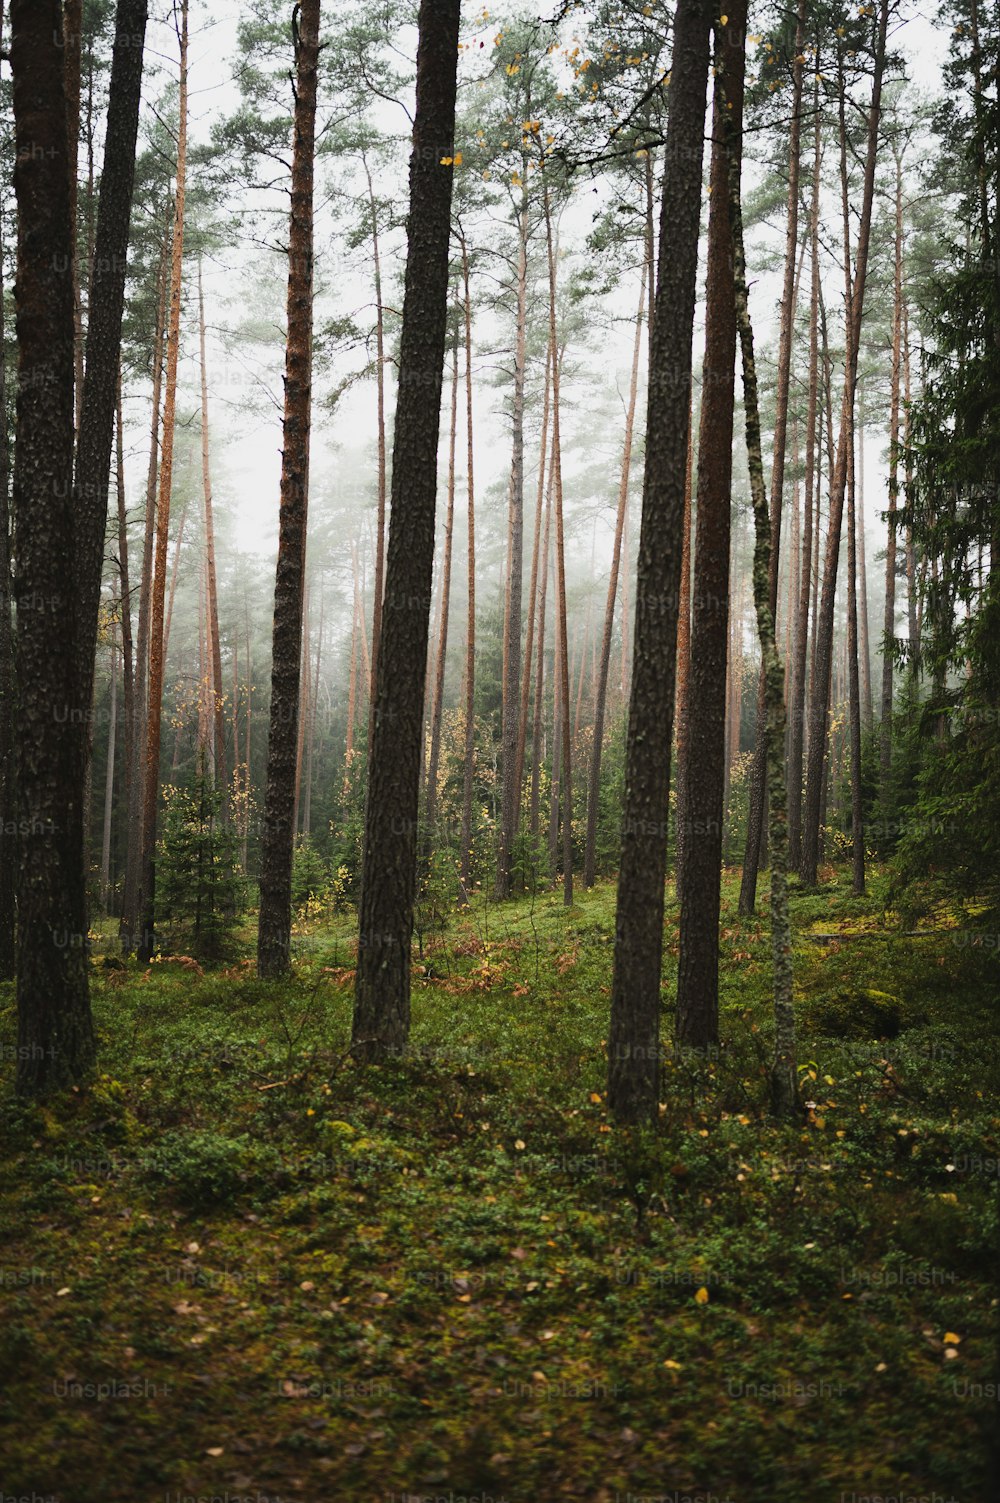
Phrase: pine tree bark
(125, 595)
(302, 716)
(8, 681)
(311, 728)
(217, 699)
(758, 775)
(864, 644)
(97, 391)
(604, 665)
(889, 621)
(683, 655)
(174, 576)
(437, 704)
(465, 857)
(566, 780)
(797, 689)
(634, 1037)
(784, 1076)
(529, 638)
(699, 805)
(912, 602)
(278, 833)
(157, 647)
(854, 680)
(536, 727)
(820, 688)
(382, 987)
(379, 585)
(56, 1045)
(128, 930)
(352, 687)
(109, 775)
(510, 796)
(72, 44)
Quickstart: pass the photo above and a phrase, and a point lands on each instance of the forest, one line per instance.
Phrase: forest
(499, 751)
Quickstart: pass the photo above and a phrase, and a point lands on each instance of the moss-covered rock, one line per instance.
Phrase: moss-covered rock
(858, 1013)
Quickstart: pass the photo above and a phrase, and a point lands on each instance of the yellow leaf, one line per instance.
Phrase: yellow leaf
(701, 1296)
(950, 1339)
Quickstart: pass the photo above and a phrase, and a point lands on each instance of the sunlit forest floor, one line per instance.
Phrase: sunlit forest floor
(239, 1264)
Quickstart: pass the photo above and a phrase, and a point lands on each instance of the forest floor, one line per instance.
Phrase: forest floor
(239, 1266)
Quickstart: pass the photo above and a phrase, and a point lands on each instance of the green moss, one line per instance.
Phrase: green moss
(233, 1207)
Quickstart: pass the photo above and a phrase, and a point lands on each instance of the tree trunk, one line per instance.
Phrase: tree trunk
(581, 672)
(311, 727)
(797, 694)
(359, 600)
(600, 698)
(246, 759)
(854, 678)
(820, 688)
(379, 587)
(758, 776)
(217, 699)
(784, 1077)
(634, 1037)
(529, 641)
(132, 902)
(157, 647)
(382, 991)
(442, 642)
(912, 613)
(174, 575)
(8, 681)
(302, 715)
(792, 577)
(683, 654)
(699, 804)
(352, 689)
(278, 834)
(465, 858)
(557, 730)
(125, 595)
(889, 622)
(510, 799)
(864, 644)
(536, 728)
(55, 1032)
(72, 40)
(97, 389)
(109, 778)
(566, 782)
